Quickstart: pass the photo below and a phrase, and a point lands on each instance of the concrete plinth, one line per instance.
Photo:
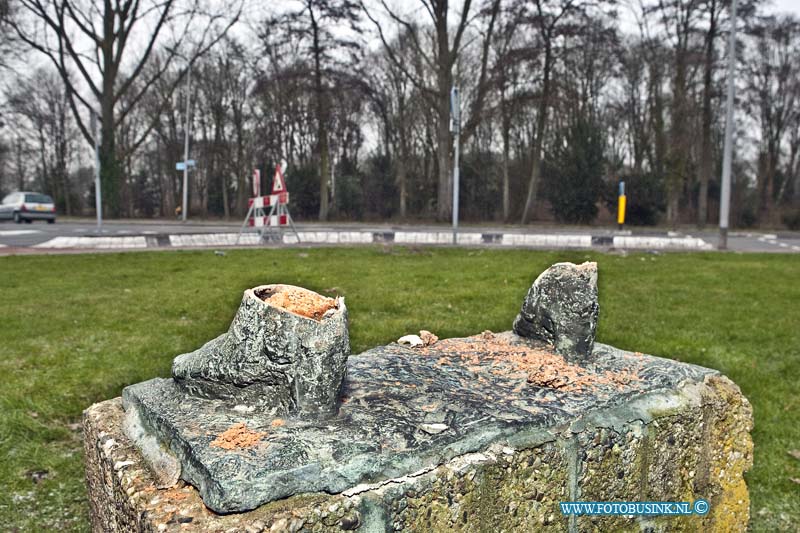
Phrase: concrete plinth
(487, 433)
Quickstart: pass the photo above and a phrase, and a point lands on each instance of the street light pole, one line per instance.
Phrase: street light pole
(187, 133)
(725, 193)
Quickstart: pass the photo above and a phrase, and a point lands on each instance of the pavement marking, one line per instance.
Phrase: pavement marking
(331, 237)
(436, 237)
(211, 239)
(12, 232)
(95, 242)
(683, 243)
(544, 240)
(772, 239)
(423, 237)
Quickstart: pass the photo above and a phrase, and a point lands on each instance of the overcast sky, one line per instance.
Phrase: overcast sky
(789, 6)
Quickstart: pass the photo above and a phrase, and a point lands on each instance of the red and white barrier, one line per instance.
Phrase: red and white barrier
(269, 220)
(271, 210)
(268, 201)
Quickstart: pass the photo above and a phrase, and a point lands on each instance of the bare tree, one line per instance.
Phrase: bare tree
(108, 66)
(713, 11)
(774, 95)
(633, 73)
(550, 19)
(440, 59)
(9, 45)
(44, 119)
(320, 29)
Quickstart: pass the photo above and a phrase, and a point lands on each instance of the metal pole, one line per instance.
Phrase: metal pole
(725, 193)
(456, 118)
(98, 194)
(187, 133)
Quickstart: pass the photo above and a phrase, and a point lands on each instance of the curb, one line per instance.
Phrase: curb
(516, 240)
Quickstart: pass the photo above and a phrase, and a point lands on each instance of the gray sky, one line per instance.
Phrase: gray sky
(786, 6)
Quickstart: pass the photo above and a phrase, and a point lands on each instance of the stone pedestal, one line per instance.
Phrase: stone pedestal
(487, 433)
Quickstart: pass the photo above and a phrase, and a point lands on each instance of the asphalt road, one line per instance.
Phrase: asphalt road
(28, 235)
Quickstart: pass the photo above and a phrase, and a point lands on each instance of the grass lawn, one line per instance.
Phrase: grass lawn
(76, 329)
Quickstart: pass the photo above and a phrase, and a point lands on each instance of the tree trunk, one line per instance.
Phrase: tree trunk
(322, 121)
(443, 142)
(45, 185)
(541, 125)
(67, 190)
(678, 149)
(796, 185)
(768, 184)
(20, 164)
(109, 173)
(444, 83)
(401, 183)
(657, 118)
(62, 174)
(506, 187)
(324, 171)
(706, 159)
(506, 133)
(109, 164)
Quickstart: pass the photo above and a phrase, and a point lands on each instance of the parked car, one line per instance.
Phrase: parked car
(28, 206)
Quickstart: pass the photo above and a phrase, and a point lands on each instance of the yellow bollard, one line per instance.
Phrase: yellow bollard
(621, 204)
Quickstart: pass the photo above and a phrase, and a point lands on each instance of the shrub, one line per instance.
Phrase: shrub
(573, 176)
(792, 220)
(645, 198)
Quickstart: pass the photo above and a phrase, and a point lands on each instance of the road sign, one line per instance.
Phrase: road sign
(180, 165)
(278, 183)
(455, 111)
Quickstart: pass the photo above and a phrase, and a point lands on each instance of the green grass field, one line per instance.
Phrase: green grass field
(76, 329)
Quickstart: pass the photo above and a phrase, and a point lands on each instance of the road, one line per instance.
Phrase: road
(82, 234)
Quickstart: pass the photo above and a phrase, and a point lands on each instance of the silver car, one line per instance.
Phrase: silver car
(28, 206)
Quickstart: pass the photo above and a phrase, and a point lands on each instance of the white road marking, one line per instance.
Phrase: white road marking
(687, 243)
(212, 239)
(94, 242)
(435, 237)
(544, 240)
(12, 232)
